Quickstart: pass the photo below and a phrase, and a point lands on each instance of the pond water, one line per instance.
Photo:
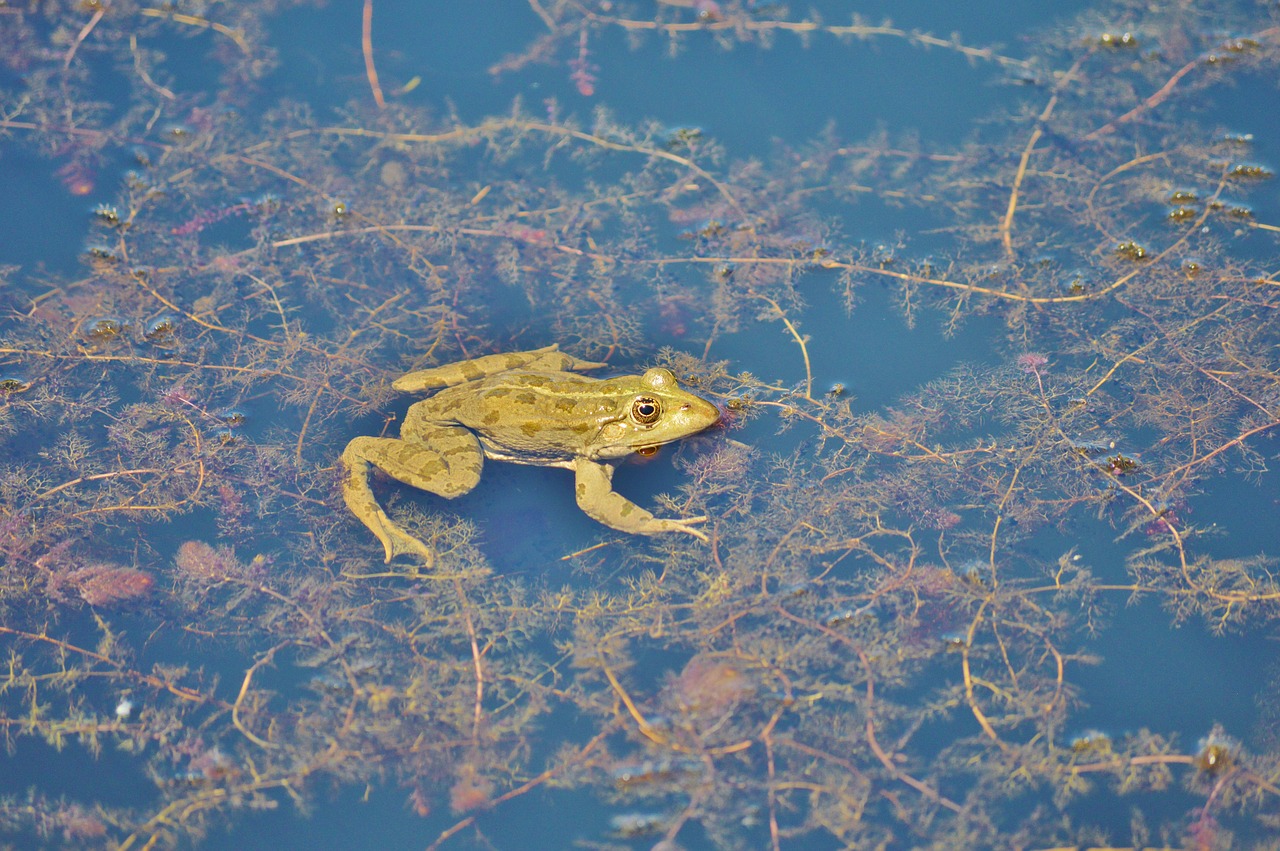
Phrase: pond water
(984, 297)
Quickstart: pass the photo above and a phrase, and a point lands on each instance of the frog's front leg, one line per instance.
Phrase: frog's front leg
(449, 466)
(596, 496)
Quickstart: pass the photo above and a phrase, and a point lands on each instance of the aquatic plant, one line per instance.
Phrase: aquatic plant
(877, 648)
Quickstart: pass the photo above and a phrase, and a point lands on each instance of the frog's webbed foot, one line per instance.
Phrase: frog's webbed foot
(685, 524)
(594, 489)
(450, 472)
(397, 542)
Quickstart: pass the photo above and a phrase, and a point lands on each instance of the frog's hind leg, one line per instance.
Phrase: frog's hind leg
(546, 359)
(449, 467)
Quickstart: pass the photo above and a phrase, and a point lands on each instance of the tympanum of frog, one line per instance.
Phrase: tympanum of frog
(530, 408)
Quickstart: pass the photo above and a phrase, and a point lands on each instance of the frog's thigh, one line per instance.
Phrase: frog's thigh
(444, 460)
(548, 358)
(553, 360)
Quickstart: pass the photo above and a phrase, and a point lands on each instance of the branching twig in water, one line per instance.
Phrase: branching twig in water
(366, 44)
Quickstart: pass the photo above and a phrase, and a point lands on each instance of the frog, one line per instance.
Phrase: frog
(531, 407)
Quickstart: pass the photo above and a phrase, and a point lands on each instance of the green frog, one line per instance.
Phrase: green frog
(529, 408)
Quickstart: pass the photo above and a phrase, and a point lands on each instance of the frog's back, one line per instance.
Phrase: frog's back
(530, 416)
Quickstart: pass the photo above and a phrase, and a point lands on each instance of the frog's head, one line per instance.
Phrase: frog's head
(657, 412)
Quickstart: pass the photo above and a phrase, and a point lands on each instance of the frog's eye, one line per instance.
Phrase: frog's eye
(646, 410)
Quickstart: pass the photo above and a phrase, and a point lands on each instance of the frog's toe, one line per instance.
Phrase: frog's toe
(400, 544)
(685, 524)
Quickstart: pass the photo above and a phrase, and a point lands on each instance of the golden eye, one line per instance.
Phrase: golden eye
(646, 410)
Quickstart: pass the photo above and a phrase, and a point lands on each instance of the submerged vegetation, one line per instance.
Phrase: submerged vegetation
(877, 648)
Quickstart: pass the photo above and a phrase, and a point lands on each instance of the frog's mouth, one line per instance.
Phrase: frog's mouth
(648, 450)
